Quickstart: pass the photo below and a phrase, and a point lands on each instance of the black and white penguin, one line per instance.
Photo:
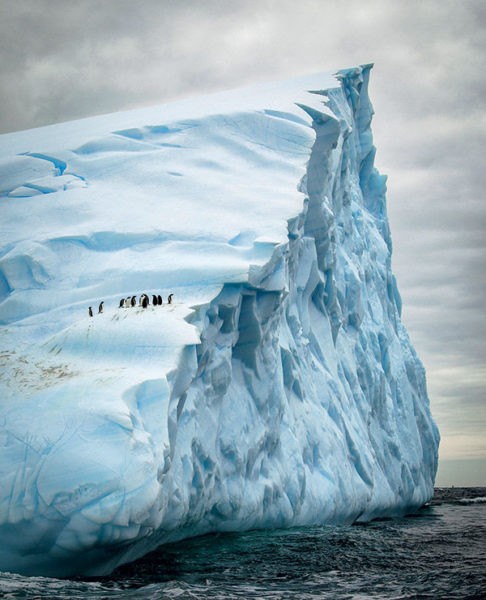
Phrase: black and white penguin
(122, 303)
(127, 302)
(90, 311)
(169, 298)
(145, 301)
(100, 307)
(133, 301)
(159, 299)
(154, 300)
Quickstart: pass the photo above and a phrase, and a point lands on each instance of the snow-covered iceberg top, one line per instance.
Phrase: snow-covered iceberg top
(278, 388)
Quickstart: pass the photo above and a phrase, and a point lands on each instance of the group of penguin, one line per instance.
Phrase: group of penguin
(144, 301)
(131, 301)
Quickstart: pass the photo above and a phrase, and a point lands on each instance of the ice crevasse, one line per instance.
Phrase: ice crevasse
(279, 389)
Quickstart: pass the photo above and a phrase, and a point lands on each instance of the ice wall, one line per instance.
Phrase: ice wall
(288, 394)
(310, 361)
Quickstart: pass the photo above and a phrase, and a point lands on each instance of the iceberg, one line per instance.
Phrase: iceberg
(279, 388)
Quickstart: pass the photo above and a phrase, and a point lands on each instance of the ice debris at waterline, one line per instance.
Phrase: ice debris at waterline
(280, 388)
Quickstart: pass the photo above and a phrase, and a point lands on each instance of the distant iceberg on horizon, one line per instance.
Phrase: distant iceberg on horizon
(278, 389)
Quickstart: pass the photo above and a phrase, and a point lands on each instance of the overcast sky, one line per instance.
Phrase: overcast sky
(65, 59)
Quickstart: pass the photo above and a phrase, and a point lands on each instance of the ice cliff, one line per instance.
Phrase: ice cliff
(279, 389)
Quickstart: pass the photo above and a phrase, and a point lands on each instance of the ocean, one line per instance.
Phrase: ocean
(437, 553)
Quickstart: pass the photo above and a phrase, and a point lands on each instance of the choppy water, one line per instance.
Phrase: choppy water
(439, 553)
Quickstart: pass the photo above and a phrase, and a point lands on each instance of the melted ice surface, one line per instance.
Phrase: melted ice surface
(280, 387)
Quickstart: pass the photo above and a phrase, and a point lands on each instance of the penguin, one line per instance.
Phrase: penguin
(122, 303)
(159, 299)
(90, 311)
(169, 298)
(154, 300)
(133, 301)
(127, 302)
(145, 301)
(100, 307)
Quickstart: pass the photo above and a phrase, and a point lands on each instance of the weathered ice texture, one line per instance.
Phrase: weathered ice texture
(279, 388)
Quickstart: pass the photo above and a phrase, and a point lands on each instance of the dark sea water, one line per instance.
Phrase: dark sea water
(438, 553)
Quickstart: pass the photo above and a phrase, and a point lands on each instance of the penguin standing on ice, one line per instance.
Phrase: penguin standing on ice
(154, 300)
(145, 301)
(122, 303)
(90, 311)
(133, 301)
(169, 298)
(100, 307)
(159, 300)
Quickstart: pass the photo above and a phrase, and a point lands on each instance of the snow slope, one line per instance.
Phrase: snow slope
(280, 388)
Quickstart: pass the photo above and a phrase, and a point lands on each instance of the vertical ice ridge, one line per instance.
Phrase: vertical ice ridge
(324, 339)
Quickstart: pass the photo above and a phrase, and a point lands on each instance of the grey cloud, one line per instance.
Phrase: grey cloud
(465, 473)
